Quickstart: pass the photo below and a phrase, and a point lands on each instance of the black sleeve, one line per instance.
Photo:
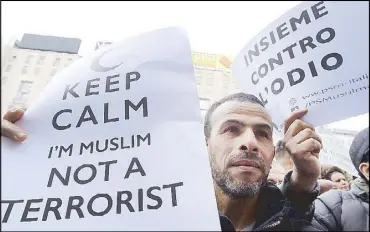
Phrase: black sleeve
(301, 202)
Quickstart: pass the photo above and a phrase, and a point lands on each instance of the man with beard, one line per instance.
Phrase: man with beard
(238, 132)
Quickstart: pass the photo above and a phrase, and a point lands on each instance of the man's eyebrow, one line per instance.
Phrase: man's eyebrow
(263, 126)
(233, 121)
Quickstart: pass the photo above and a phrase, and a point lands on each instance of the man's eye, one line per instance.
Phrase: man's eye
(231, 129)
(262, 134)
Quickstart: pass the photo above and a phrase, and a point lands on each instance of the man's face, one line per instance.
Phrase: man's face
(240, 147)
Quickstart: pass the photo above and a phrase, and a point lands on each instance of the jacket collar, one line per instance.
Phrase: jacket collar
(271, 204)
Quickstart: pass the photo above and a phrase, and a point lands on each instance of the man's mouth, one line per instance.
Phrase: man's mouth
(245, 163)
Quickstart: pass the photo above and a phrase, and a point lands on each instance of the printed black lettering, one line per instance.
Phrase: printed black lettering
(109, 83)
(290, 50)
(28, 209)
(139, 138)
(128, 104)
(91, 116)
(129, 79)
(264, 44)
(65, 150)
(255, 53)
(338, 61)
(278, 61)
(55, 172)
(126, 201)
(140, 200)
(54, 209)
(301, 74)
(154, 197)
(306, 42)
(313, 70)
(70, 91)
(93, 174)
(263, 70)
(294, 21)
(281, 29)
(273, 86)
(106, 117)
(138, 169)
(106, 164)
(331, 36)
(105, 146)
(173, 191)
(114, 144)
(90, 86)
(11, 204)
(105, 211)
(54, 121)
(90, 145)
(316, 10)
(76, 207)
(254, 81)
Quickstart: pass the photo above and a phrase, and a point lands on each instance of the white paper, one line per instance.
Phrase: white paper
(335, 93)
(177, 151)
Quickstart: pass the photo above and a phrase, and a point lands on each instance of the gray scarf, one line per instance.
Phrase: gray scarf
(361, 187)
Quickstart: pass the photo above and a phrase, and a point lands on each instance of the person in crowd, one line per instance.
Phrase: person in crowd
(238, 133)
(337, 175)
(340, 210)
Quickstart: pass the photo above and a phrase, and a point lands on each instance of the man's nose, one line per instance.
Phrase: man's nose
(248, 141)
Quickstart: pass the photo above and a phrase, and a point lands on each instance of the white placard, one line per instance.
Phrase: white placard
(115, 143)
(316, 56)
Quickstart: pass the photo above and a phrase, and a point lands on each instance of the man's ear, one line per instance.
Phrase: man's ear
(364, 169)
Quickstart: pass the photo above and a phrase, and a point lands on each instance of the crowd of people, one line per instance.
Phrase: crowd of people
(263, 186)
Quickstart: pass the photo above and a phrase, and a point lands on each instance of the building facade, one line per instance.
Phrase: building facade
(213, 77)
(30, 64)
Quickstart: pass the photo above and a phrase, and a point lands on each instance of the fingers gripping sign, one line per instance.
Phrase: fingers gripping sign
(303, 145)
(9, 129)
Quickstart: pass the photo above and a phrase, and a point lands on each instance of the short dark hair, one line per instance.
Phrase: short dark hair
(333, 170)
(240, 97)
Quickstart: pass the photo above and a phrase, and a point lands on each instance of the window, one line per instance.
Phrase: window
(37, 71)
(23, 91)
(226, 84)
(29, 59)
(8, 68)
(41, 60)
(198, 80)
(209, 81)
(53, 72)
(57, 61)
(24, 70)
(4, 80)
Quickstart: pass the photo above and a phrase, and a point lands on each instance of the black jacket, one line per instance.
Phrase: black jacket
(338, 210)
(275, 212)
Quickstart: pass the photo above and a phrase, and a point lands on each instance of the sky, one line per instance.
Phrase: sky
(213, 27)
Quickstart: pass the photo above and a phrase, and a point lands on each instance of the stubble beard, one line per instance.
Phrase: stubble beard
(235, 188)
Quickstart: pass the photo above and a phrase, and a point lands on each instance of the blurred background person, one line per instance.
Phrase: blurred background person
(277, 173)
(337, 176)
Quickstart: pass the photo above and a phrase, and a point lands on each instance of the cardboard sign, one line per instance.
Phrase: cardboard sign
(115, 143)
(316, 56)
